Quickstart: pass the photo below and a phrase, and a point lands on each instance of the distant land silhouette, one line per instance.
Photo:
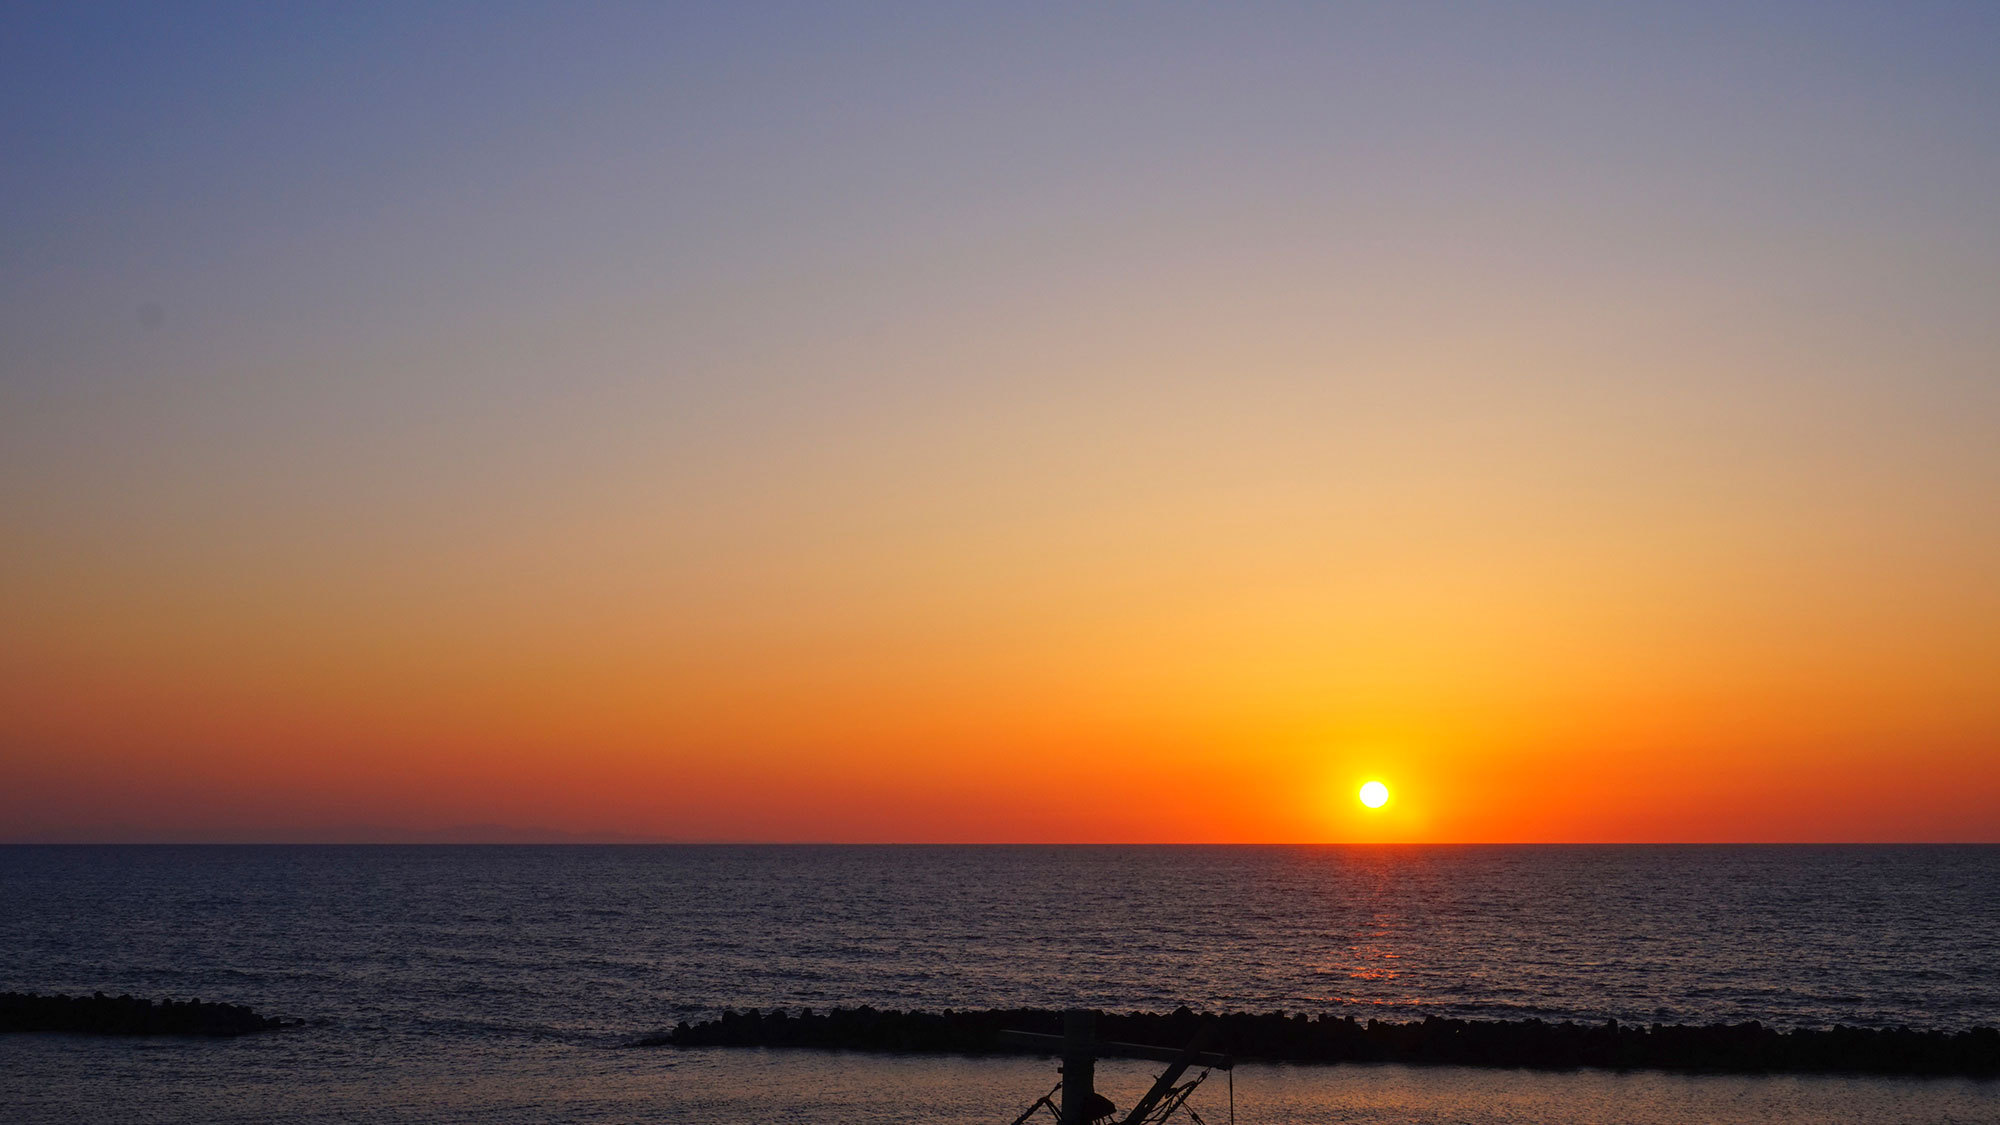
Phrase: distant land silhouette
(372, 834)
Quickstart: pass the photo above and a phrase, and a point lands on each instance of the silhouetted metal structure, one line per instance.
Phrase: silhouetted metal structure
(1080, 1049)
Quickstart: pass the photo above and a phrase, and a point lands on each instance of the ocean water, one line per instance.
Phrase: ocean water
(501, 984)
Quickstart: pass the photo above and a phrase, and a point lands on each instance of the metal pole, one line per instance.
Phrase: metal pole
(1079, 1065)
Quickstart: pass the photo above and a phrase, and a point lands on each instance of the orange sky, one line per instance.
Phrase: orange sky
(1078, 428)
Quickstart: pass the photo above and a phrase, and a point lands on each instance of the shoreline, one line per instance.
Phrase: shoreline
(1745, 1048)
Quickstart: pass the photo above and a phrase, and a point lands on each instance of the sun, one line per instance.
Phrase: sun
(1374, 794)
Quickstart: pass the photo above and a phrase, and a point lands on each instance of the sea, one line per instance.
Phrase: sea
(508, 984)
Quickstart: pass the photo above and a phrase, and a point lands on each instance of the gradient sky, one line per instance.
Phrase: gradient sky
(1028, 422)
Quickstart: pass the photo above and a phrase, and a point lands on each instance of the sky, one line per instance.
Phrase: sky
(1010, 422)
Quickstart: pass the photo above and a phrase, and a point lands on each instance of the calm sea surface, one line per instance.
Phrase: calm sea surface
(499, 984)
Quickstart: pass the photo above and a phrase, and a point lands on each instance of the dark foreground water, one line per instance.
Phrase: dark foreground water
(497, 984)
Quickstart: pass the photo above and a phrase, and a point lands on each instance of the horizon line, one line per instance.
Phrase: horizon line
(714, 843)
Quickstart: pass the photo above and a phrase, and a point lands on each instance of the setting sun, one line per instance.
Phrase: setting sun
(1374, 794)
